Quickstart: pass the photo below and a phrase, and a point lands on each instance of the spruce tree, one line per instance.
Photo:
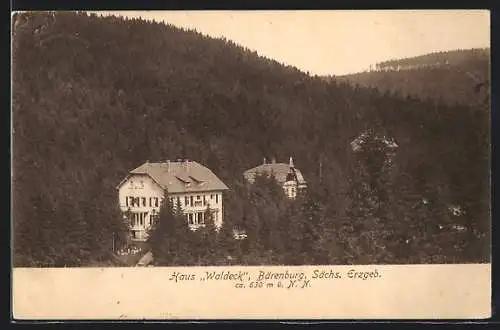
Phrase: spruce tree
(169, 236)
(369, 200)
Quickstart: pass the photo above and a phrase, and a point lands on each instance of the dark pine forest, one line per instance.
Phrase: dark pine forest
(95, 97)
(451, 77)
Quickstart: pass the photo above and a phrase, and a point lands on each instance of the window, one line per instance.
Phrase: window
(216, 198)
(211, 196)
(186, 200)
(141, 219)
(190, 218)
(156, 201)
(200, 217)
(143, 201)
(204, 200)
(191, 200)
(126, 201)
(178, 201)
(137, 201)
(152, 217)
(198, 197)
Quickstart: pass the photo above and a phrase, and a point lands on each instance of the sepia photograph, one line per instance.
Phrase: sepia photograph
(250, 139)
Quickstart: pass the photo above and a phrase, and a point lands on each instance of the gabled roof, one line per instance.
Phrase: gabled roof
(300, 177)
(278, 170)
(181, 177)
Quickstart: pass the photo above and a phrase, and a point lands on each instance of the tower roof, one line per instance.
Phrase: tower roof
(280, 171)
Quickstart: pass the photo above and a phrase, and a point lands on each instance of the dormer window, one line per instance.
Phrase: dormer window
(290, 176)
(185, 180)
(195, 180)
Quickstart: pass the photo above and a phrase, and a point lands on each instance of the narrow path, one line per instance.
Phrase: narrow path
(145, 260)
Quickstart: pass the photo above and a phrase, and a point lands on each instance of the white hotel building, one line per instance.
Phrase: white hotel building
(189, 183)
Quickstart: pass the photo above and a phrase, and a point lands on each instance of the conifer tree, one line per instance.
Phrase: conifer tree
(169, 236)
(369, 198)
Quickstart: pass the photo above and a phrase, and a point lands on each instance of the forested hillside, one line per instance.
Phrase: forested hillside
(460, 76)
(95, 97)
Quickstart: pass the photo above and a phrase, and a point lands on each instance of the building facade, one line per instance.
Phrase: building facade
(287, 175)
(189, 184)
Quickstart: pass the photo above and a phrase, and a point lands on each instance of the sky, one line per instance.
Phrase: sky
(334, 42)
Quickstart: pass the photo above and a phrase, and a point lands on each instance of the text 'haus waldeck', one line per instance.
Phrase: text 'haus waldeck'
(189, 184)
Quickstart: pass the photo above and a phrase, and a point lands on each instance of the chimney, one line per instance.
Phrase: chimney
(265, 161)
(274, 160)
(291, 162)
